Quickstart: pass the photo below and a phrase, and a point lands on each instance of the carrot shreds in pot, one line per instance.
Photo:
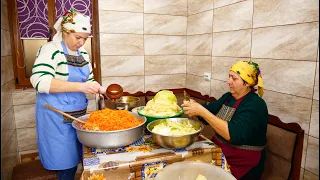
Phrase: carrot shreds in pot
(111, 120)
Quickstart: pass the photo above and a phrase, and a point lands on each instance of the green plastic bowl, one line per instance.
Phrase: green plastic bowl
(152, 118)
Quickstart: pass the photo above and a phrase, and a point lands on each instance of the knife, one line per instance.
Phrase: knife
(186, 96)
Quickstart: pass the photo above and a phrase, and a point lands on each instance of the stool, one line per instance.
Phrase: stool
(32, 170)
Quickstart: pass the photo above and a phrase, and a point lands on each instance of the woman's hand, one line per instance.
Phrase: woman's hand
(192, 108)
(90, 87)
(102, 90)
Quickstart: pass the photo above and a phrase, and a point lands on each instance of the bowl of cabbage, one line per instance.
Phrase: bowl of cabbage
(141, 111)
(175, 133)
(163, 105)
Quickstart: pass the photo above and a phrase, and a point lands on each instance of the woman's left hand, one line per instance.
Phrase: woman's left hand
(192, 108)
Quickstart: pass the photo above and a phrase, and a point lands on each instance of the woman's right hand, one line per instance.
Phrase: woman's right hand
(90, 87)
(192, 108)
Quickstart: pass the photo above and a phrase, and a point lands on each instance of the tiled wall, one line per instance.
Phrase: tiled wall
(143, 43)
(282, 37)
(8, 129)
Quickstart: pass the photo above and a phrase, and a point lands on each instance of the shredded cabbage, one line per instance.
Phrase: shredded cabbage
(201, 177)
(174, 128)
(164, 103)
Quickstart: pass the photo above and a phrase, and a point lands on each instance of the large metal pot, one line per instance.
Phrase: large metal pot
(175, 142)
(109, 139)
(124, 102)
(127, 102)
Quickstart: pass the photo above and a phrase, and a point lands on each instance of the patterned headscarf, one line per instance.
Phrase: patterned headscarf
(250, 72)
(72, 21)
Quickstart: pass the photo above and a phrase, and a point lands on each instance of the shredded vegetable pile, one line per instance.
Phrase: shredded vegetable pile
(172, 128)
(111, 120)
(164, 103)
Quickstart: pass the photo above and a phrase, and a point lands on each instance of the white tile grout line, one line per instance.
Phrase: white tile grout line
(144, 53)
(211, 68)
(251, 29)
(315, 74)
(186, 75)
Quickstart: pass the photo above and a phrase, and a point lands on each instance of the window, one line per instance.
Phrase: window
(32, 26)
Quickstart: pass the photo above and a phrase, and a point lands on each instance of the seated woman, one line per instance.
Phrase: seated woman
(239, 119)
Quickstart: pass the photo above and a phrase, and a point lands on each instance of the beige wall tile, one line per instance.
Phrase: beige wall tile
(233, 43)
(316, 83)
(304, 150)
(121, 44)
(310, 176)
(221, 67)
(301, 174)
(25, 115)
(4, 17)
(7, 127)
(220, 3)
(92, 106)
(233, 17)
(197, 65)
(290, 77)
(6, 69)
(200, 23)
(165, 24)
(164, 45)
(6, 96)
(91, 96)
(289, 108)
(122, 65)
(129, 84)
(120, 22)
(312, 159)
(219, 88)
(27, 139)
(197, 83)
(280, 12)
(9, 156)
(196, 6)
(170, 64)
(173, 7)
(5, 43)
(296, 42)
(122, 5)
(158, 82)
(20, 97)
(314, 124)
(199, 44)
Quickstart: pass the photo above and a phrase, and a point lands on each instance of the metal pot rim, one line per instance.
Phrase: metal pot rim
(106, 132)
(176, 135)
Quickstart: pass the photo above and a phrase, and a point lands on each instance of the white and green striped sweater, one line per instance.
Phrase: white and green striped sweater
(51, 63)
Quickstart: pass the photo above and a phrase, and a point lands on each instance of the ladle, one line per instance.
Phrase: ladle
(114, 91)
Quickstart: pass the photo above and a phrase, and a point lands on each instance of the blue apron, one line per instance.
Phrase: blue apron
(58, 145)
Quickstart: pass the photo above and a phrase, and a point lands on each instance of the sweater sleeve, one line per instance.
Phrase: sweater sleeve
(249, 123)
(44, 68)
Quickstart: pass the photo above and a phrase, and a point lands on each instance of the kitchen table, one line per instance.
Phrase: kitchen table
(145, 158)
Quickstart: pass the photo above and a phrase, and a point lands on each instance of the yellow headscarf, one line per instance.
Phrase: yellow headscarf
(249, 71)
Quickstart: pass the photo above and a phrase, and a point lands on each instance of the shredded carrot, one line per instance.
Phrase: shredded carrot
(111, 120)
(97, 177)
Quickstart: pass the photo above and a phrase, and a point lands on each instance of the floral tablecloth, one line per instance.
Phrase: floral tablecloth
(144, 158)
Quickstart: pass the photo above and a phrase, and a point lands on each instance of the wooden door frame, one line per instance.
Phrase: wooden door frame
(17, 49)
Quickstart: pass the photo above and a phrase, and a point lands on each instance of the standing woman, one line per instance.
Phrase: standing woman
(62, 76)
(239, 119)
